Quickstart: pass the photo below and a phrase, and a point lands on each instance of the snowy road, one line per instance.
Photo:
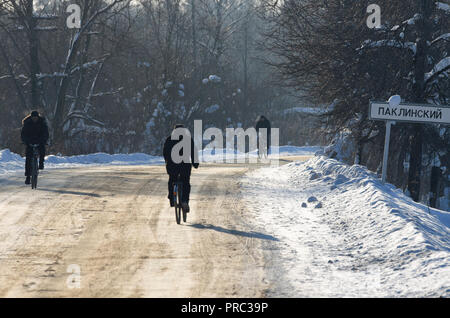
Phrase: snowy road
(247, 236)
(114, 225)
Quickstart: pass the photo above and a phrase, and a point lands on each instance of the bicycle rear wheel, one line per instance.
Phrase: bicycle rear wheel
(34, 174)
(178, 214)
(180, 197)
(177, 204)
(184, 217)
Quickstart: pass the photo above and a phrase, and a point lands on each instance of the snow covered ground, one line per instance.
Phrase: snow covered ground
(353, 237)
(340, 232)
(220, 155)
(11, 162)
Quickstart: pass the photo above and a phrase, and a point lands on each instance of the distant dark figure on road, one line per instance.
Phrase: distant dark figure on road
(34, 132)
(180, 170)
(263, 143)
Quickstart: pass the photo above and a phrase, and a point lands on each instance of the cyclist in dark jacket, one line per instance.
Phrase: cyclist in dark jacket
(180, 170)
(34, 132)
(263, 122)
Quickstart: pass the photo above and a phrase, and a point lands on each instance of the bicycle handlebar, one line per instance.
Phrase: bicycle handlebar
(34, 145)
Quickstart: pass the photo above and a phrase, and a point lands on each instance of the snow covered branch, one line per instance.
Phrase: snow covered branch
(84, 116)
(443, 37)
(90, 64)
(107, 93)
(443, 6)
(413, 20)
(47, 29)
(440, 68)
(56, 74)
(390, 43)
(45, 17)
(21, 76)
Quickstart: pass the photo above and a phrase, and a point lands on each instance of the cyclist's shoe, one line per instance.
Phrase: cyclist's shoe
(185, 207)
(41, 166)
(28, 180)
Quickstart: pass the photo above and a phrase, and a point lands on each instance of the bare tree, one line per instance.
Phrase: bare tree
(326, 51)
(90, 14)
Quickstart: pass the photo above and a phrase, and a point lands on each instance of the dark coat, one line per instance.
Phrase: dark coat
(263, 122)
(34, 133)
(172, 166)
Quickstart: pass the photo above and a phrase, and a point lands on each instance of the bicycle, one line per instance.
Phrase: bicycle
(177, 196)
(34, 166)
(262, 148)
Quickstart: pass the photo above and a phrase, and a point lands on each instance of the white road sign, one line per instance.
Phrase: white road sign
(410, 112)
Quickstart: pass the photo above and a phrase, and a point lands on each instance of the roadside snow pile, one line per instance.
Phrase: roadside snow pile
(220, 155)
(299, 151)
(11, 162)
(342, 233)
(103, 159)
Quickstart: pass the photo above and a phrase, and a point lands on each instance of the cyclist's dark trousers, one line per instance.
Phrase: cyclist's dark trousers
(29, 157)
(267, 143)
(184, 172)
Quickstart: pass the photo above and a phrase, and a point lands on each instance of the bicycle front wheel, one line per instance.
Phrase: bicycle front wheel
(34, 182)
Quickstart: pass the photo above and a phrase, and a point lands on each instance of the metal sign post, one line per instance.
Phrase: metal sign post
(387, 140)
(405, 112)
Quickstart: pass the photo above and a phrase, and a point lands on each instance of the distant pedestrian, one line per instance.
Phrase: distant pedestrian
(263, 143)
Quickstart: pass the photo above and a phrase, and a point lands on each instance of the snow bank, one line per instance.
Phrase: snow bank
(219, 155)
(353, 237)
(286, 151)
(342, 147)
(11, 162)
(103, 159)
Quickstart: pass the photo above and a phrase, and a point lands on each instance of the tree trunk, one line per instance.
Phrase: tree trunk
(415, 170)
(423, 30)
(246, 61)
(61, 97)
(194, 37)
(34, 56)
